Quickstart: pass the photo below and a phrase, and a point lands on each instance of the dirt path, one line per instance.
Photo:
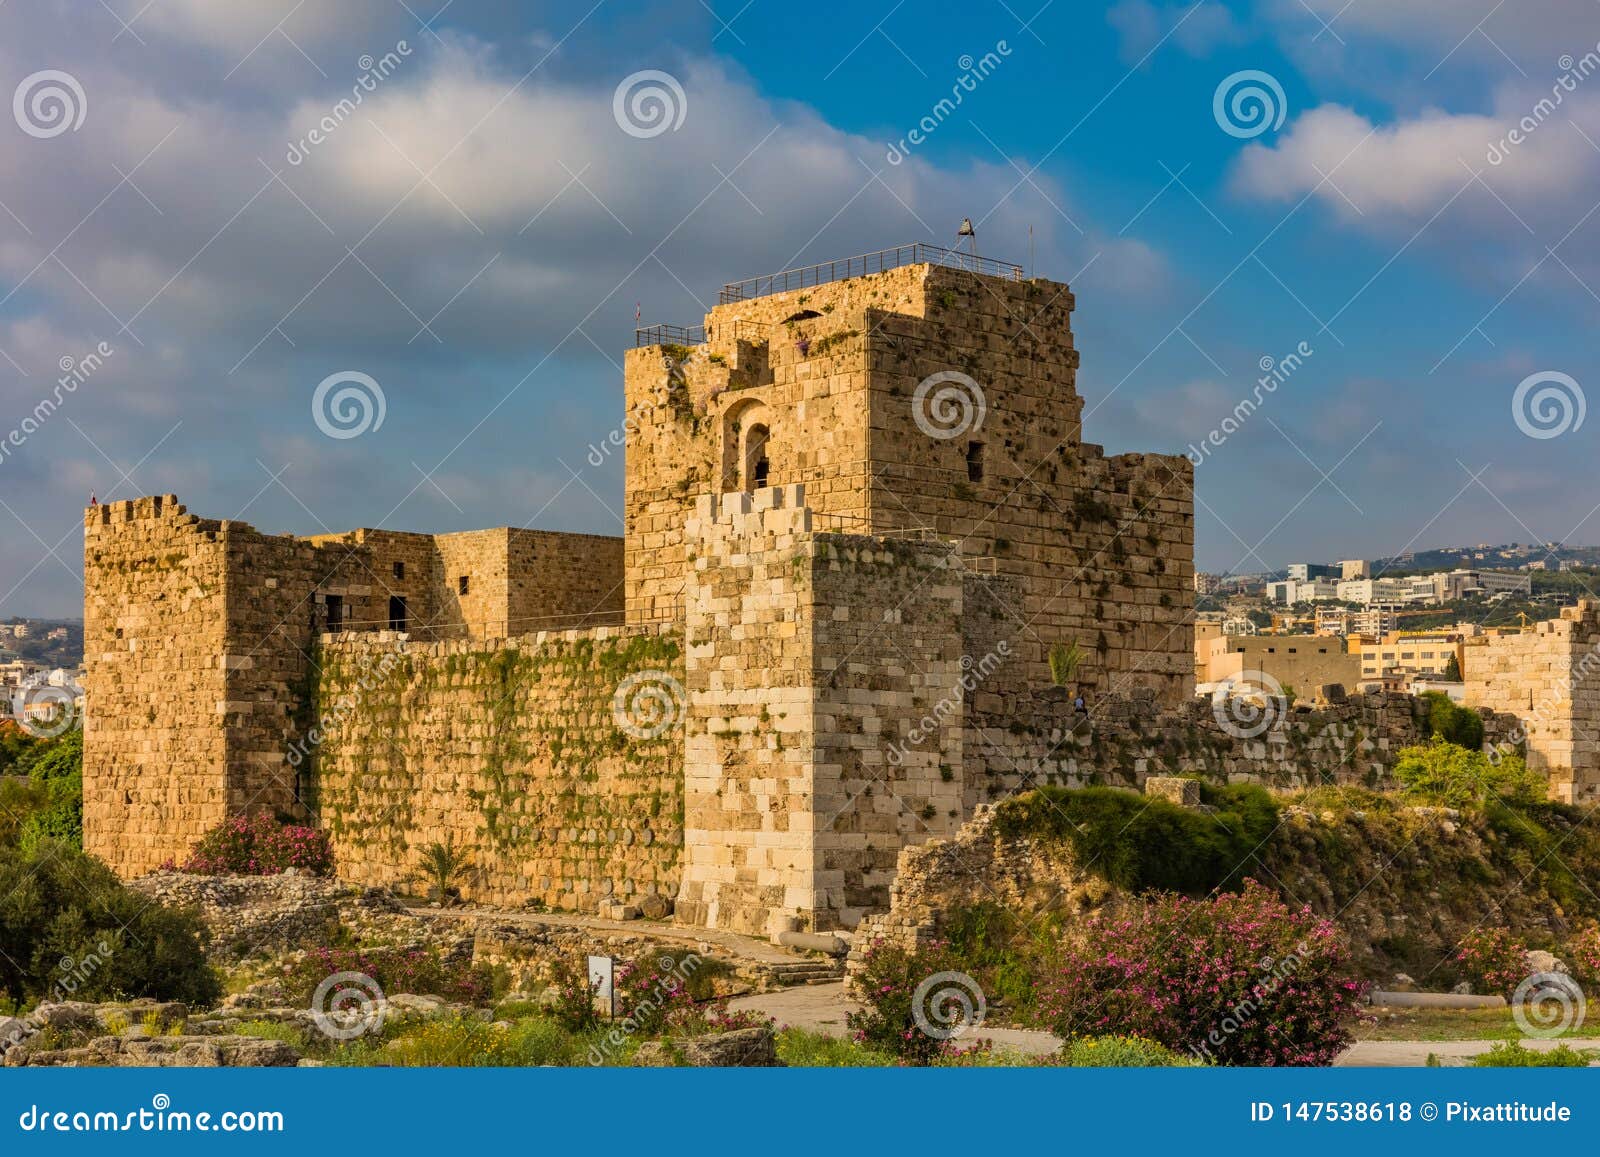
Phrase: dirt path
(822, 1007)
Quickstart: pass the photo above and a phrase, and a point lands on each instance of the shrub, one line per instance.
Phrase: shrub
(574, 1006)
(1140, 843)
(654, 989)
(1582, 953)
(1000, 948)
(258, 845)
(15, 744)
(1512, 1055)
(1238, 979)
(48, 805)
(442, 865)
(72, 930)
(1451, 723)
(425, 972)
(19, 800)
(1443, 773)
(1493, 959)
(541, 1041)
(888, 988)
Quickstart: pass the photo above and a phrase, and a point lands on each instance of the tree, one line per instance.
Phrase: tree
(1452, 670)
(1455, 724)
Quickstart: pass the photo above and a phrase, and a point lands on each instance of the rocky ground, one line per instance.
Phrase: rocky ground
(259, 927)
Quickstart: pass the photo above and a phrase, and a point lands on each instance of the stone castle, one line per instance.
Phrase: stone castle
(860, 514)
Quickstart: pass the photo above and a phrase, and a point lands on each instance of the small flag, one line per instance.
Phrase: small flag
(966, 229)
(93, 501)
(636, 313)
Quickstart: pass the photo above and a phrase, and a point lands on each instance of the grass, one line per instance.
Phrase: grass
(452, 1041)
(802, 1048)
(275, 1030)
(1452, 1024)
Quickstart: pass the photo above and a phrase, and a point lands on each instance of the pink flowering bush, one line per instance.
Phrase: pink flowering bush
(573, 1002)
(888, 986)
(662, 991)
(419, 971)
(258, 845)
(1234, 979)
(1582, 953)
(1495, 960)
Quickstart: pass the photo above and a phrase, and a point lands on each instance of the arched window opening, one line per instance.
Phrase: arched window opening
(746, 445)
(756, 466)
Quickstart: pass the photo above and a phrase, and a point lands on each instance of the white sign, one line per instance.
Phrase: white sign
(602, 979)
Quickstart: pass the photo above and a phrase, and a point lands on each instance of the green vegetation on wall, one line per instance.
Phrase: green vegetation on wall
(516, 750)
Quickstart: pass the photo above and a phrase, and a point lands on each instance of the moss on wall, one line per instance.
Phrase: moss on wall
(516, 753)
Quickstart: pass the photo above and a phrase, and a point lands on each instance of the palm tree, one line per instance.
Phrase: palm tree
(442, 865)
(1064, 661)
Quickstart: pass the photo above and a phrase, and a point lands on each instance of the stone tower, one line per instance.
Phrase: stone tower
(921, 400)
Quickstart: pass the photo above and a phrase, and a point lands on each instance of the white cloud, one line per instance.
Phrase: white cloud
(1378, 176)
(1195, 28)
(244, 293)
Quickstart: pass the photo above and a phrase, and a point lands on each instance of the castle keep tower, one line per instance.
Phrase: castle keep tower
(920, 399)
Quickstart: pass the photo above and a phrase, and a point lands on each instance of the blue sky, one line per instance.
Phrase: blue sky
(476, 235)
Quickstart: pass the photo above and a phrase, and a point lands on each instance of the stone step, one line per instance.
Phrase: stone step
(806, 972)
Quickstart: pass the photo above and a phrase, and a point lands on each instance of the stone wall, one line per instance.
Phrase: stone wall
(1550, 678)
(199, 642)
(517, 581)
(1036, 738)
(519, 755)
(887, 666)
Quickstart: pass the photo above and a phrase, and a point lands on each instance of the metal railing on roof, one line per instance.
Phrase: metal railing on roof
(669, 335)
(916, 253)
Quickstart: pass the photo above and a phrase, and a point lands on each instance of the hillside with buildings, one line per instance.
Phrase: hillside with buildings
(42, 642)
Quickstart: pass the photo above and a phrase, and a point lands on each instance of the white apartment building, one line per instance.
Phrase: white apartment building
(1291, 591)
(1440, 587)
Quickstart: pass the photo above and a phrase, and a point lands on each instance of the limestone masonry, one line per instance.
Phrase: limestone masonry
(859, 516)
